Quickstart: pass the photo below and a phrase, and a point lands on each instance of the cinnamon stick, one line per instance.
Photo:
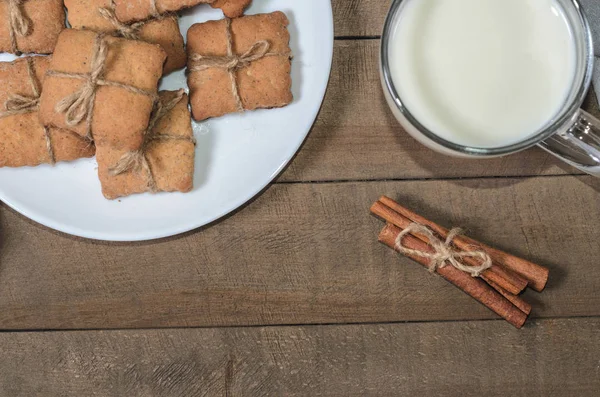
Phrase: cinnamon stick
(514, 299)
(536, 275)
(506, 279)
(472, 286)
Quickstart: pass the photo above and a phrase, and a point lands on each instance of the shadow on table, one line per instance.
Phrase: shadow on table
(593, 182)
(438, 165)
(142, 243)
(424, 157)
(119, 243)
(445, 162)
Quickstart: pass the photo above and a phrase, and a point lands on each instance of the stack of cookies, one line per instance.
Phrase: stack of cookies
(97, 94)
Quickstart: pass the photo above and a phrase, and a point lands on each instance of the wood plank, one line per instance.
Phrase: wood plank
(303, 253)
(365, 18)
(357, 138)
(356, 18)
(547, 358)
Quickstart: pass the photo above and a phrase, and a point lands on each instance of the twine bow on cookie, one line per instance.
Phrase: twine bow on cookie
(444, 254)
(79, 106)
(18, 24)
(232, 62)
(137, 160)
(22, 104)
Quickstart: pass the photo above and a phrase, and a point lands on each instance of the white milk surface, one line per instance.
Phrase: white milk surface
(483, 73)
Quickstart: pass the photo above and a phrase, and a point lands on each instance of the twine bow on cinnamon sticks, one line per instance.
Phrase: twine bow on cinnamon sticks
(232, 62)
(21, 104)
(444, 252)
(492, 277)
(18, 25)
(137, 161)
(79, 106)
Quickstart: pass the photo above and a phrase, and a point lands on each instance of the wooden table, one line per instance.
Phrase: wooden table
(292, 295)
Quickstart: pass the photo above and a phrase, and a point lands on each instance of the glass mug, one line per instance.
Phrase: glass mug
(572, 135)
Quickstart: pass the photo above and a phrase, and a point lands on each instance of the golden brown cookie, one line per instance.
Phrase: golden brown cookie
(169, 151)
(98, 15)
(232, 8)
(165, 32)
(116, 108)
(43, 22)
(23, 140)
(259, 69)
(139, 10)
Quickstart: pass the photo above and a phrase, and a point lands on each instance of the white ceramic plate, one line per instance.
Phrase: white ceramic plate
(237, 155)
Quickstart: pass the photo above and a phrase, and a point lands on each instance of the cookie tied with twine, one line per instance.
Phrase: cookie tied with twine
(128, 31)
(163, 31)
(137, 161)
(139, 10)
(18, 104)
(445, 254)
(19, 24)
(232, 62)
(79, 106)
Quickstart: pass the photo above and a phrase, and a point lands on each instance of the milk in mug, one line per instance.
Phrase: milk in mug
(482, 73)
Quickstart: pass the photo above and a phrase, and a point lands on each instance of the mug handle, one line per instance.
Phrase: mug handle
(579, 145)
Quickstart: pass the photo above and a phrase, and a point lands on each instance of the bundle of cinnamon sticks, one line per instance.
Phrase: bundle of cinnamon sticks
(498, 287)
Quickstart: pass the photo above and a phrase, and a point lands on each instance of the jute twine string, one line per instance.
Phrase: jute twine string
(137, 160)
(130, 32)
(232, 62)
(21, 104)
(18, 25)
(79, 106)
(153, 10)
(444, 254)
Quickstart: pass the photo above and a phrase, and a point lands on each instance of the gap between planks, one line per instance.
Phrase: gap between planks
(433, 179)
(291, 325)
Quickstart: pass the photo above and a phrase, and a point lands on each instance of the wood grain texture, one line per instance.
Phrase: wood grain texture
(357, 138)
(304, 253)
(359, 18)
(547, 358)
(307, 253)
(365, 18)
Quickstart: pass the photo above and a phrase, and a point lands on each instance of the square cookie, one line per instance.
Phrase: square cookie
(139, 10)
(258, 68)
(23, 140)
(41, 23)
(99, 16)
(102, 87)
(232, 8)
(164, 162)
